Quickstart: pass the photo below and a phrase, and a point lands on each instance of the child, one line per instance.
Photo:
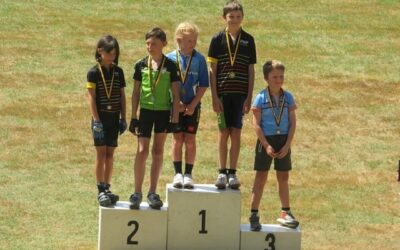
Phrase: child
(106, 88)
(193, 72)
(232, 55)
(154, 77)
(274, 121)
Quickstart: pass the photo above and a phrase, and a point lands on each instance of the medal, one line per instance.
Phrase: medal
(108, 91)
(279, 117)
(154, 85)
(231, 75)
(181, 73)
(232, 58)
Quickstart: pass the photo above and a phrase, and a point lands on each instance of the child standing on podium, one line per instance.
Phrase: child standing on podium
(274, 121)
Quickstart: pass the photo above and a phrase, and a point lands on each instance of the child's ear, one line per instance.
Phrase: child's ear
(165, 43)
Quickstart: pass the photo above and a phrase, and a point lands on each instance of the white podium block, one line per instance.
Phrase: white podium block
(269, 238)
(203, 218)
(122, 228)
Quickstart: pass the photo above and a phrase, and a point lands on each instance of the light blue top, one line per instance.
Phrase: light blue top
(196, 77)
(268, 124)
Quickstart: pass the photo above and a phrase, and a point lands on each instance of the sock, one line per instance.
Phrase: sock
(178, 167)
(254, 212)
(286, 209)
(222, 171)
(231, 171)
(106, 187)
(100, 187)
(188, 168)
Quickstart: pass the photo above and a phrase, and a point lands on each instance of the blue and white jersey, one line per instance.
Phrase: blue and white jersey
(196, 77)
(268, 124)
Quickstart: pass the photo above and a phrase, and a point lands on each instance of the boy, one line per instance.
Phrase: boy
(193, 72)
(232, 55)
(274, 121)
(154, 77)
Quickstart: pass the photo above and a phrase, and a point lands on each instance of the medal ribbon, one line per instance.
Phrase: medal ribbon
(279, 118)
(232, 58)
(153, 86)
(108, 91)
(183, 74)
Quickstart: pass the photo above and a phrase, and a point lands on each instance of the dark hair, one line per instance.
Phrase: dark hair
(156, 33)
(107, 43)
(232, 5)
(271, 65)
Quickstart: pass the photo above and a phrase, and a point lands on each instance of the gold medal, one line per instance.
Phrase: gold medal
(182, 73)
(231, 75)
(154, 84)
(109, 107)
(232, 57)
(278, 117)
(108, 91)
(278, 131)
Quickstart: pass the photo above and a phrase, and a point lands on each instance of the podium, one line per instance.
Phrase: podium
(270, 237)
(203, 218)
(121, 228)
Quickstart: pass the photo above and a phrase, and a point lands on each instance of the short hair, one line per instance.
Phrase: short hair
(107, 43)
(232, 5)
(186, 28)
(271, 65)
(156, 33)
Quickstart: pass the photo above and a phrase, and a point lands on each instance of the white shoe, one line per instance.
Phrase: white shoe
(233, 181)
(221, 181)
(187, 181)
(178, 181)
(287, 220)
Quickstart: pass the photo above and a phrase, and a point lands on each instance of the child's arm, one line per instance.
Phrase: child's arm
(135, 98)
(247, 102)
(123, 104)
(292, 128)
(92, 104)
(175, 102)
(260, 135)
(199, 94)
(217, 105)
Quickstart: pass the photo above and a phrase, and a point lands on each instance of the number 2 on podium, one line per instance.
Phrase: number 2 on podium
(203, 230)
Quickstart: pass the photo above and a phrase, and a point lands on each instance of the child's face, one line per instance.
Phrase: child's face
(187, 43)
(155, 46)
(107, 58)
(275, 78)
(234, 19)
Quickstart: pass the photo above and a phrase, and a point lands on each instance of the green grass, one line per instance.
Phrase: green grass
(342, 67)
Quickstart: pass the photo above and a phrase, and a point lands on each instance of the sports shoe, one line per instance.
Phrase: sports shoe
(233, 181)
(254, 222)
(221, 181)
(154, 200)
(135, 200)
(187, 181)
(178, 181)
(287, 220)
(103, 199)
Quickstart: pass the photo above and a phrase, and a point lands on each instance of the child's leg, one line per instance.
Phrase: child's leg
(177, 144)
(100, 163)
(283, 187)
(235, 147)
(157, 153)
(190, 148)
(223, 147)
(140, 162)
(258, 188)
(109, 164)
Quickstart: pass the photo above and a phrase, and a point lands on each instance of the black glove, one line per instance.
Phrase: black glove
(134, 126)
(122, 126)
(173, 127)
(97, 130)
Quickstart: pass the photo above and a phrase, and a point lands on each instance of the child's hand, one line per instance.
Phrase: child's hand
(283, 152)
(182, 107)
(246, 106)
(271, 151)
(217, 106)
(134, 126)
(122, 126)
(97, 130)
(173, 127)
(189, 110)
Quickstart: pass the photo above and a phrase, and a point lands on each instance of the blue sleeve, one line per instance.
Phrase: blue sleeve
(203, 73)
(290, 100)
(257, 101)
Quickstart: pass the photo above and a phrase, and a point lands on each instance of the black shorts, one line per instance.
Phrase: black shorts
(148, 118)
(189, 123)
(263, 161)
(233, 111)
(110, 121)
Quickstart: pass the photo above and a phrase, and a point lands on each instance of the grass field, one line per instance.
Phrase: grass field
(342, 61)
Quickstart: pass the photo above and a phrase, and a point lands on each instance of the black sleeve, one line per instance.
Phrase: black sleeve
(253, 53)
(91, 76)
(213, 50)
(137, 75)
(122, 78)
(173, 69)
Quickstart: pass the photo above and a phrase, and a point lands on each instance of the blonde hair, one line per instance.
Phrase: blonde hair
(186, 28)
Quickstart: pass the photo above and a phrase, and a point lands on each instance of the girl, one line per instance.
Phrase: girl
(105, 85)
